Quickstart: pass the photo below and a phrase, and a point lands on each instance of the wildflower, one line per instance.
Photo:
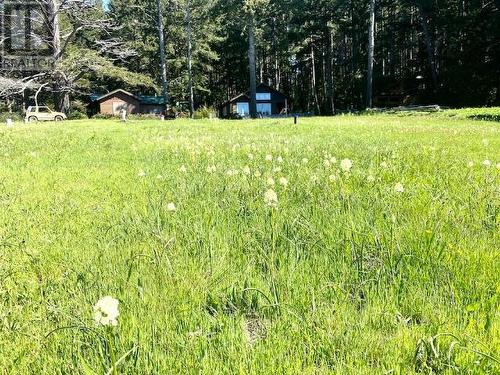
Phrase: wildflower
(277, 169)
(159, 177)
(399, 188)
(283, 182)
(271, 198)
(257, 174)
(171, 207)
(211, 169)
(183, 169)
(470, 164)
(106, 311)
(370, 178)
(332, 178)
(326, 163)
(250, 156)
(279, 159)
(141, 173)
(269, 158)
(487, 163)
(270, 181)
(246, 171)
(383, 164)
(314, 178)
(346, 165)
(305, 161)
(333, 160)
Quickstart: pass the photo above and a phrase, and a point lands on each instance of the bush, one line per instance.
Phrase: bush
(16, 117)
(204, 112)
(77, 115)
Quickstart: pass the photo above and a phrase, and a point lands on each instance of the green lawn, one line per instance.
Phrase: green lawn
(346, 276)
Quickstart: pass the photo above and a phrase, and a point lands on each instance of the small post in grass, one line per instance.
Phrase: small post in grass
(9, 122)
(295, 119)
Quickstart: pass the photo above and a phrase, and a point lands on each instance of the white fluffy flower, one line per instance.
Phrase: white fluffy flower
(106, 311)
(332, 178)
(283, 182)
(487, 163)
(257, 174)
(271, 198)
(250, 156)
(346, 165)
(383, 164)
(246, 171)
(370, 178)
(171, 207)
(399, 188)
(305, 161)
(183, 169)
(326, 163)
(270, 181)
(269, 158)
(470, 164)
(279, 159)
(141, 173)
(211, 169)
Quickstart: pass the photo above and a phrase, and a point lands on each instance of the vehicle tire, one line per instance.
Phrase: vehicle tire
(32, 119)
(58, 118)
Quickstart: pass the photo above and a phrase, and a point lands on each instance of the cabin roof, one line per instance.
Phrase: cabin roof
(143, 99)
(246, 95)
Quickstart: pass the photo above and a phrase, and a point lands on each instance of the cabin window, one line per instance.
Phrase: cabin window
(243, 109)
(264, 109)
(263, 96)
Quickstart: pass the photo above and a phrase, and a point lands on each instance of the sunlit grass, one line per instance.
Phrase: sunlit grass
(391, 265)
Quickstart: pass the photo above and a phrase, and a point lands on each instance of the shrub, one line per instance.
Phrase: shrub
(16, 117)
(77, 115)
(204, 112)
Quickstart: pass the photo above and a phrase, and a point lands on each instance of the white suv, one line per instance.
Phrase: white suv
(42, 113)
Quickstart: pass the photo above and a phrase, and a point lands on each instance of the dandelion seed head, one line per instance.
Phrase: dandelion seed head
(171, 207)
(106, 311)
(271, 198)
(346, 165)
(399, 188)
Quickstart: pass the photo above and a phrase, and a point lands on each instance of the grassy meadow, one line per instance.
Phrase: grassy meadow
(391, 266)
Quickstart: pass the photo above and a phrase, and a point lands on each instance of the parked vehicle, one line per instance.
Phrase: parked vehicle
(43, 113)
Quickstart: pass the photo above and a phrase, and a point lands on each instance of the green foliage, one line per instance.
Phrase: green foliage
(18, 117)
(204, 113)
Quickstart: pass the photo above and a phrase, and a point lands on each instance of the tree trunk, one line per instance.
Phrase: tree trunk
(424, 19)
(190, 58)
(163, 61)
(60, 89)
(371, 51)
(314, 85)
(251, 65)
(330, 90)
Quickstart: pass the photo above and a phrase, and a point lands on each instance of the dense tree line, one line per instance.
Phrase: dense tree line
(315, 51)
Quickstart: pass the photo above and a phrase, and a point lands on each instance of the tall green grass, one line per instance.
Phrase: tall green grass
(346, 276)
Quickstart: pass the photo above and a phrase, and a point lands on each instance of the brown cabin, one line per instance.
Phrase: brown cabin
(112, 103)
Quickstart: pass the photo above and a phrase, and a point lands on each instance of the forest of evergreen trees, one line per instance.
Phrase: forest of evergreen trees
(316, 51)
